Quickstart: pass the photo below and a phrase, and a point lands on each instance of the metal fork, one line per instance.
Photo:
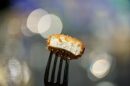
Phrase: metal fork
(52, 80)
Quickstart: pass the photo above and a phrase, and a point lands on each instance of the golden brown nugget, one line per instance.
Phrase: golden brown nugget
(65, 46)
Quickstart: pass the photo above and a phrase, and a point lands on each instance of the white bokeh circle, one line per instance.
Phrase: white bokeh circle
(55, 27)
(33, 19)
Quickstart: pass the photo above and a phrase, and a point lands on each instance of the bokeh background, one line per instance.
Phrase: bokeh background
(103, 25)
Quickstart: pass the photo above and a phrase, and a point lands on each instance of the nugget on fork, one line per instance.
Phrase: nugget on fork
(65, 46)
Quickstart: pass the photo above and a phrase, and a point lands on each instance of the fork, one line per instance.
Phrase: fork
(59, 81)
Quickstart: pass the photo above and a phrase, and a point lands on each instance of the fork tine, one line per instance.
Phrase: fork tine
(48, 67)
(54, 68)
(65, 80)
(59, 71)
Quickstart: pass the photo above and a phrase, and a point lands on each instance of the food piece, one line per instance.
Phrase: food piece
(65, 46)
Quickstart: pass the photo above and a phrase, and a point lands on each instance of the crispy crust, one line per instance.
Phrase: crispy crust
(63, 52)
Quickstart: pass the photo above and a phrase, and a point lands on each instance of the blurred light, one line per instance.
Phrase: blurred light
(100, 68)
(18, 72)
(3, 76)
(26, 32)
(120, 5)
(105, 83)
(15, 71)
(54, 28)
(120, 40)
(26, 73)
(104, 27)
(33, 19)
(44, 23)
(102, 13)
(99, 65)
